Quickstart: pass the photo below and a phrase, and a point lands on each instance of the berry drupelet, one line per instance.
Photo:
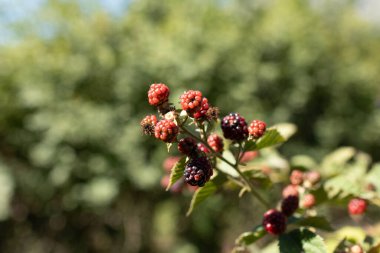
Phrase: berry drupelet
(257, 128)
(148, 124)
(198, 171)
(215, 142)
(357, 206)
(201, 114)
(234, 127)
(191, 101)
(202, 148)
(166, 131)
(187, 146)
(158, 94)
(274, 222)
(289, 205)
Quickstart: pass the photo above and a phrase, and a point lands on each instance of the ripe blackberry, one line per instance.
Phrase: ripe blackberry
(191, 101)
(187, 146)
(357, 206)
(234, 127)
(215, 142)
(290, 190)
(296, 177)
(148, 124)
(308, 201)
(166, 131)
(274, 222)
(202, 148)
(198, 171)
(201, 114)
(289, 205)
(158, 94)
(257, 128)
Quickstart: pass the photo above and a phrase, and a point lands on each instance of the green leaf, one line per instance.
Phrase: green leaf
(250, 237)
(204, 192)
(176, 172)
(301, 240)
(270, 138)
(318, 222)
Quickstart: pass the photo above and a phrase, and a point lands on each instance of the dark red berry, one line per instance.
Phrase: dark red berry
(257, 128)
(215, 142)
(308, 201)
(201, 114)
(148, 124)
(357, 206)
(158, 94)
(202, 148)
(234, 127)
(312, 177)
(274, 222)
(187, 146)
(296, 177)
(290, 190)
(191, 101)
(289, 205)
(166, 130)
(198, 171)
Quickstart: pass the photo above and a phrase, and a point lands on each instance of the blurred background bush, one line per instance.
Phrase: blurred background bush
(76, 174)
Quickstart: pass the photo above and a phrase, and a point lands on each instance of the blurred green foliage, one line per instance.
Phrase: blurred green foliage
(76, 173)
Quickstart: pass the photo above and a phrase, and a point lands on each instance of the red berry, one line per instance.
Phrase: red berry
(198, 171)
(296, 177)
(148, 124)
(234, 127)
(158, 94)
(274, 222)
(191, 101)
(289, 205)
(202, 112)
(357, 206)
(248, 156)
(257, 128)
(202, 148)
(166, 131)
(290, 190)
(215, 142)
(308, 201)
(187, 146)
(169, 162)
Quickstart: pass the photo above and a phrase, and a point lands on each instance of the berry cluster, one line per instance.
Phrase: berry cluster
(301, 184)
(274, 222)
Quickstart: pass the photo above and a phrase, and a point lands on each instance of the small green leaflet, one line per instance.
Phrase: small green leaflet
(176, 172)
(248, 238)
(270, 138)
(204, 192)
(301, 240)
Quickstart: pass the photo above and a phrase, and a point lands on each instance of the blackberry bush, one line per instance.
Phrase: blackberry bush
(207, 163)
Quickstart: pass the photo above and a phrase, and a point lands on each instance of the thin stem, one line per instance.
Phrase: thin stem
(234, 166)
